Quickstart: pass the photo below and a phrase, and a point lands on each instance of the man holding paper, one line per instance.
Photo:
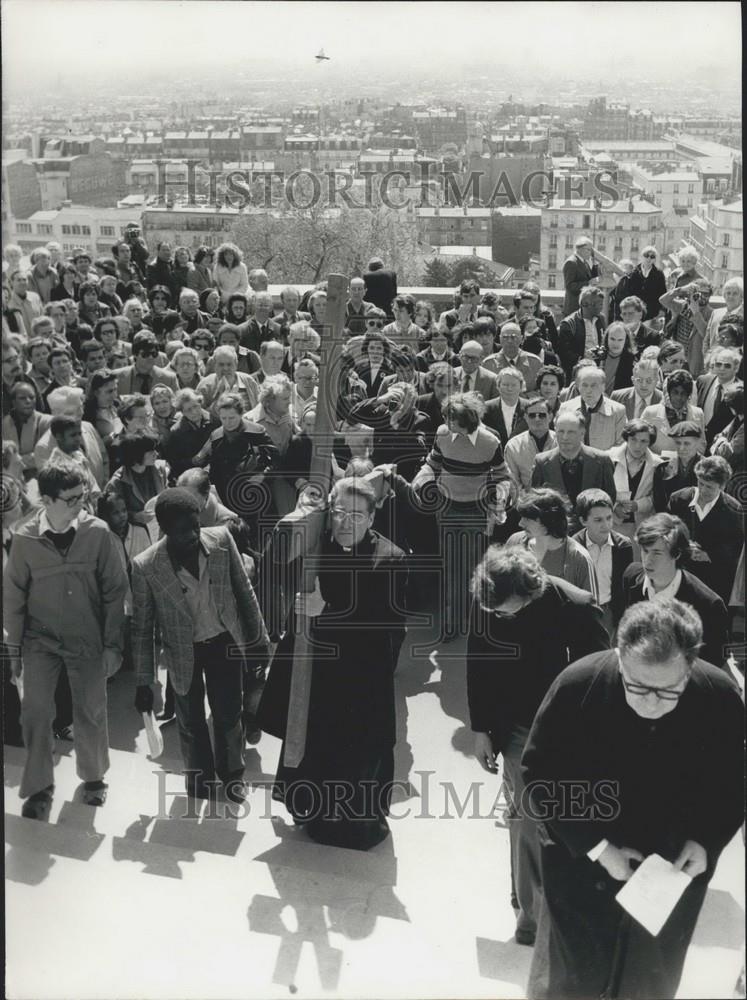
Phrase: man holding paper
(634, 752)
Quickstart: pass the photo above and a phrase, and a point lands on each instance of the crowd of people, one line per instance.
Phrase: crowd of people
(575, 474)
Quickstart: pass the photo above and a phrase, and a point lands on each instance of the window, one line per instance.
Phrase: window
(85, 230)
(689, 203)
(587, 222)
(602, 224)
(602, 243)
(618, 224)
(570, 223)
(553, 223)
(675, 189)
(690, 189)
(107, 231)
(658, 188)
(675, 201)
(552, 263)
(634, 244)
(75, 229)
(553, 239)
(66, 230)
(44, 230)
(725, 240)
(23, 227)
(551, 281)
(569, 242)
(725, 260)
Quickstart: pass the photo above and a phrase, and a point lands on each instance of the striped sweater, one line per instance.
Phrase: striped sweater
(464, 470)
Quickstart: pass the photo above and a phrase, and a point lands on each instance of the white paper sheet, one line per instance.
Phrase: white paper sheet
(651, 893)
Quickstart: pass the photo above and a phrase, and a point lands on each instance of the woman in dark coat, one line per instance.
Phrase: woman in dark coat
(239, 454)
(355, 643)
(189, 433)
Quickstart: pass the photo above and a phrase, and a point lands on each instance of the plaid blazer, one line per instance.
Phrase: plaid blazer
(158, 599)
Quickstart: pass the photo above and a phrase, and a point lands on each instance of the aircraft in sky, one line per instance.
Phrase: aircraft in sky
(320, 56)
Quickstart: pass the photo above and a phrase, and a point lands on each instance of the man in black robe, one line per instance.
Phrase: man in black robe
(633, 751)
(525, 627)
(340, 790)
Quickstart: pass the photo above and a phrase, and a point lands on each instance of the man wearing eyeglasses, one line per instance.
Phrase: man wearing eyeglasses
(522, 449)
(143, 374)
(64, 591)
(633, 752)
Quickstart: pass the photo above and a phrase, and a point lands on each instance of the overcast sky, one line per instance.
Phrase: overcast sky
(77, 37)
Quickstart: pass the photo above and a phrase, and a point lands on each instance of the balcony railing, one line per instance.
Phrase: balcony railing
(443, 298)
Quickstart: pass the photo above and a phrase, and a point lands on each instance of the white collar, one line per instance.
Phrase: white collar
(471, 437)
(508, 406)
(44, 524)
(696, 505)
(669, 591)
(607, 544)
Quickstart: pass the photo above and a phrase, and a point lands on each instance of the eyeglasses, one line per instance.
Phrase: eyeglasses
(356, 517)
(723, 364)
(375, 322)
(470, 357)
(536, 416)
(662, 693)
(651, 255)
(72, 501)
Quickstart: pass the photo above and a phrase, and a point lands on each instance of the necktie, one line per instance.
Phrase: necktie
(717, 399)
(466, 383)
(639, 404)
(145, 385)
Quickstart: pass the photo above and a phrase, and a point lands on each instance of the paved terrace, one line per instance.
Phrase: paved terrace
(133, 901)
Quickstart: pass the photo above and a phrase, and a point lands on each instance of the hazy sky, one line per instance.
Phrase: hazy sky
(78, 37)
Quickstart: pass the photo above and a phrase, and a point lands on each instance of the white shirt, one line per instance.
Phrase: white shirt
(592, 335)
(508, 414)
(702, 511)
(668, 592)
(601, 556)
(199, 600)
(641, 404)
(472, 438)
(709, 403)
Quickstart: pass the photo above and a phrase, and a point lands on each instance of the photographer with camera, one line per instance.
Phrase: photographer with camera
(690, 309)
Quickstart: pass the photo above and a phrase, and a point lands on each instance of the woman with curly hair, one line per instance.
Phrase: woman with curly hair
(230, 273)
(672, 410)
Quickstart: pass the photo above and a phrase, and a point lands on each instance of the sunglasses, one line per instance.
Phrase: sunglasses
(536, 416)
(651, 255)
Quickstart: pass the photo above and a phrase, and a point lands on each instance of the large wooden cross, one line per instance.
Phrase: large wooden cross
(307, 526)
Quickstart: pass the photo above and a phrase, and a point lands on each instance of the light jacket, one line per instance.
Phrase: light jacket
(158, 600)
(69, 604)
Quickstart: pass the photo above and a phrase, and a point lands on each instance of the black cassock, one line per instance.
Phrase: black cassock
(680, 778)
(351, 723)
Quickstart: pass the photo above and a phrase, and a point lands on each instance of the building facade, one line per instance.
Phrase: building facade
(717, 232)
(618, 229)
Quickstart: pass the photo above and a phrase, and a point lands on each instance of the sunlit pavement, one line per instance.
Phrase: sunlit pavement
(134, 900)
